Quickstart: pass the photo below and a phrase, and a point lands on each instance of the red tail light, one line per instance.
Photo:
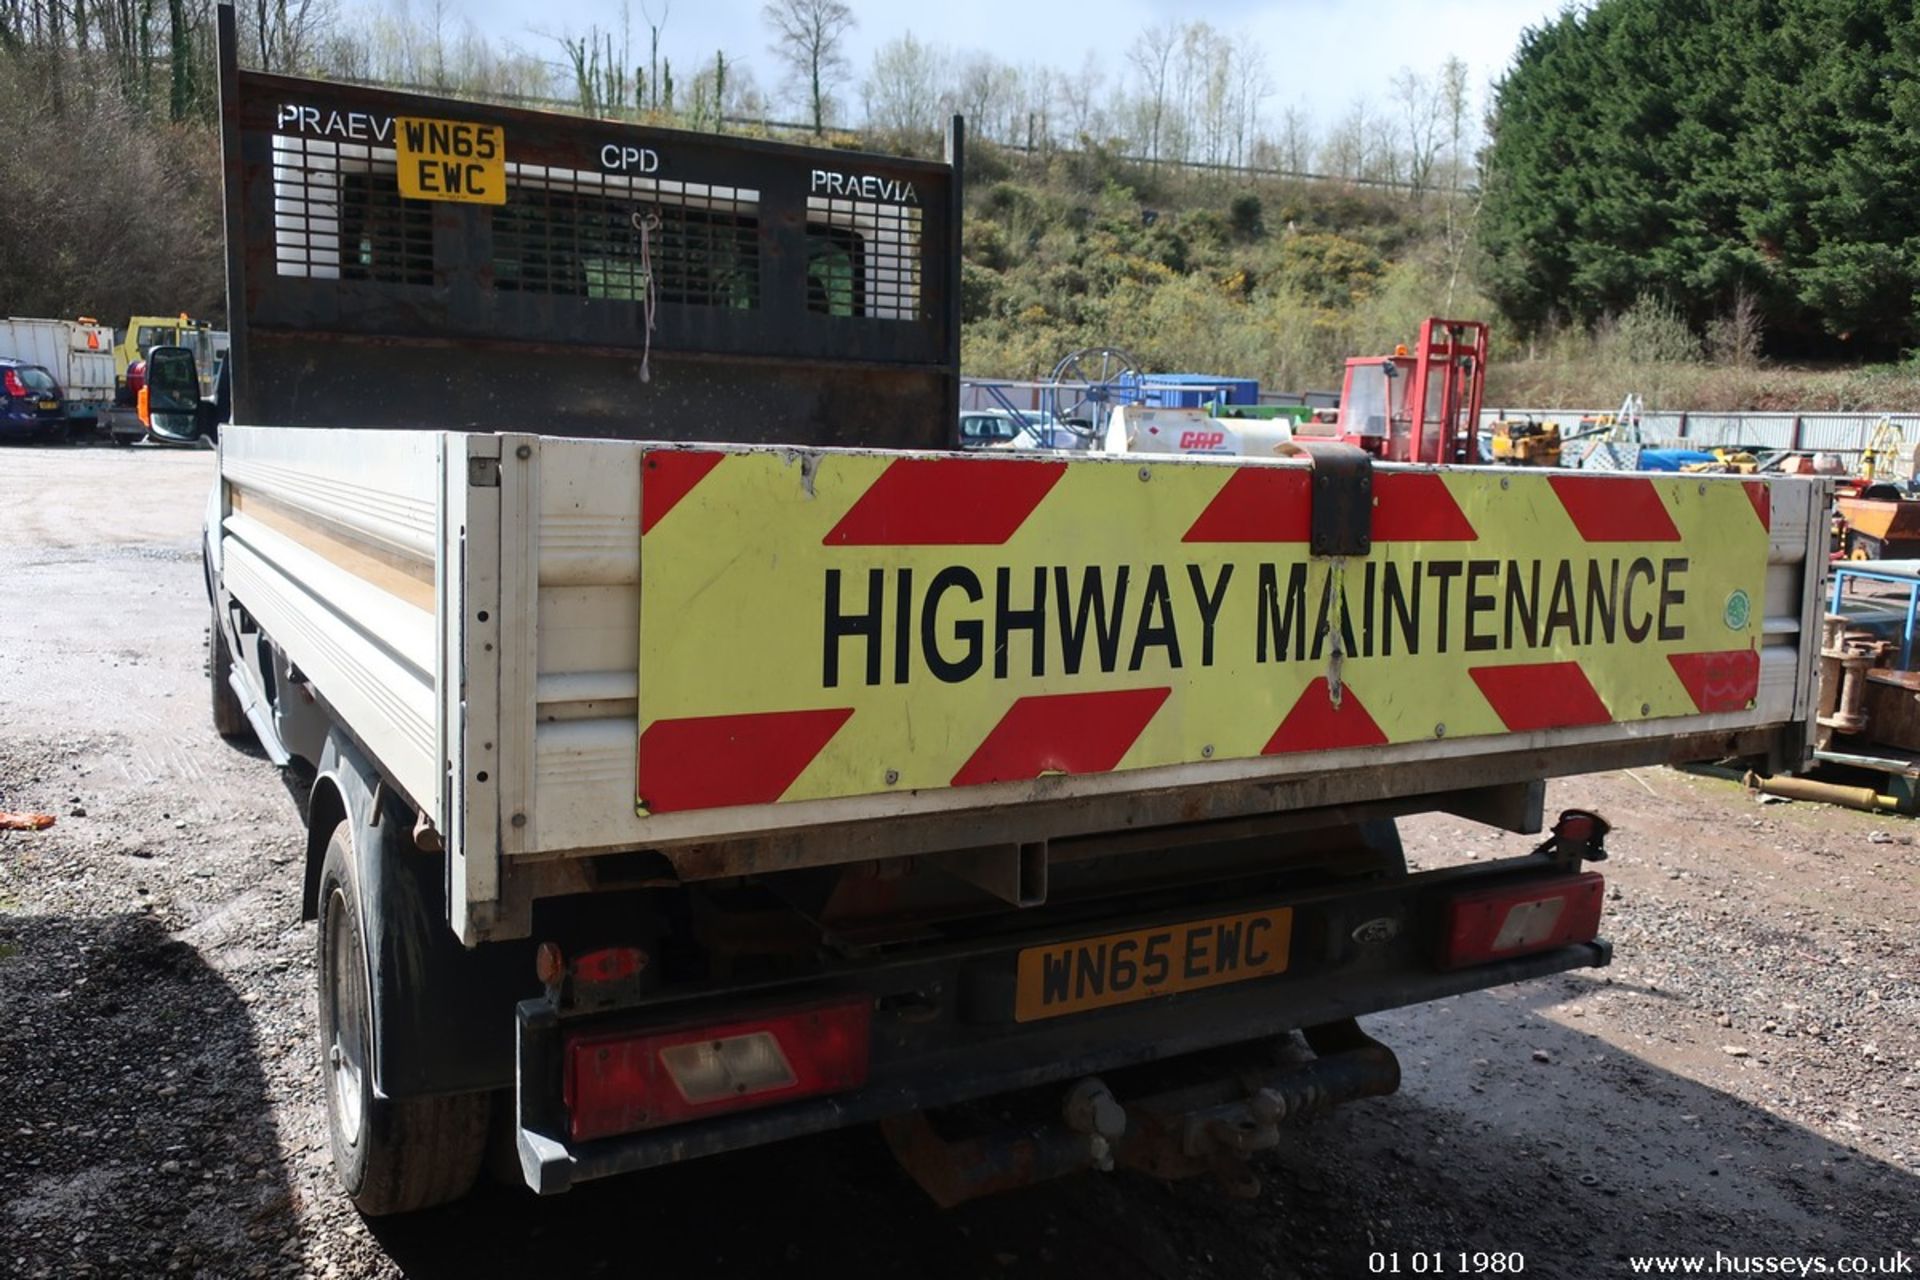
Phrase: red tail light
(15, 387)
(620, 1082)
(1518, 920)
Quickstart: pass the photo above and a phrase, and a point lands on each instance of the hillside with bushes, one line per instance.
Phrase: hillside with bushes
(1276, 280)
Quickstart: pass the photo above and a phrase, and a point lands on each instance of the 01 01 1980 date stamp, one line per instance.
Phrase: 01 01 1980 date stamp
(1447, 1262)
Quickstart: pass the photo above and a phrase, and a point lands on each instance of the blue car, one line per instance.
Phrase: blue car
(31, 404)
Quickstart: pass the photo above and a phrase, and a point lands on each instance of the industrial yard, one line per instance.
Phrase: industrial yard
(1038, 644)
(1743, 1080)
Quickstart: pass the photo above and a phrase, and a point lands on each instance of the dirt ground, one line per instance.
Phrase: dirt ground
(1744, 1081)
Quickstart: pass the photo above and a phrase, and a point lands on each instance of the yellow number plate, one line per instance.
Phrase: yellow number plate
(451, 160)
(1118, 968)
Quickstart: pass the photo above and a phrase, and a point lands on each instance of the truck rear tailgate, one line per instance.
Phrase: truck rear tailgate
(748, 658)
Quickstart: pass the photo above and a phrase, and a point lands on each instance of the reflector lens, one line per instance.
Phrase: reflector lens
(1516, 920)
(1528, 924)
(728, 1068)
(623, 1082)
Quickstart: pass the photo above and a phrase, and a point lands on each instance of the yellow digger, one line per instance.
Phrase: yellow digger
(1523, 442)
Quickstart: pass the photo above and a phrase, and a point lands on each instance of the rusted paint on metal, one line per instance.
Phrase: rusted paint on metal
(956, 1172)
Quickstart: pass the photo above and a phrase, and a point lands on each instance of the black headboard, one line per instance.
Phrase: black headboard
(396, 260)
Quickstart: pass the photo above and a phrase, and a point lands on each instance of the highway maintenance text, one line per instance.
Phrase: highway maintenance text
(956, 623)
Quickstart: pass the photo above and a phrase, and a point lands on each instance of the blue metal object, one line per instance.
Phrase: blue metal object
(1192, 390)
(1907, 578)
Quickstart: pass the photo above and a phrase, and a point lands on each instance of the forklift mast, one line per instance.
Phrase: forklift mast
(1423, 405)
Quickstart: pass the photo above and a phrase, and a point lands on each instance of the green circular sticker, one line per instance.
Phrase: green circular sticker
(1738, 610)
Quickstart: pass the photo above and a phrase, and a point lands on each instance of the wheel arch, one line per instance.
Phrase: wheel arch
(326, 809)
(441, 1012)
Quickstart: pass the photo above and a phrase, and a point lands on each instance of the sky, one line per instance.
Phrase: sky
(1345, 50)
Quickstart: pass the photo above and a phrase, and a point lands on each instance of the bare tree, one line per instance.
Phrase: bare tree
(807, 38)
(1348, 149)
(1035, 95)
(649, 94)
(1151, 55)
(1296, 139)
(1080, 94)
(987, 93)
(284, 31)
(902, 90)
(1422, 108)
(1252, 86)
(1455, 105)
(600, 73)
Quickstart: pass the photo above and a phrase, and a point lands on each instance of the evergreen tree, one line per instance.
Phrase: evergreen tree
(1699, 151)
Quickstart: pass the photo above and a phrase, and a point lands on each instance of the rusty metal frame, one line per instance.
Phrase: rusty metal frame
(460, 351)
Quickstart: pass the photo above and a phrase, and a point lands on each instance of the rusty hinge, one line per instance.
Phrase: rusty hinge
(1342, 513)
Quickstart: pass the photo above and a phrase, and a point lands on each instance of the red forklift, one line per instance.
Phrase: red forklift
(1421, 405)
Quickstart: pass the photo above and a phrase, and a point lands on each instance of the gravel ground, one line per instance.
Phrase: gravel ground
(1744, 1080)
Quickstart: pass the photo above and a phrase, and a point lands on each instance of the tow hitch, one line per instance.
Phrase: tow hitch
(1212, 1127)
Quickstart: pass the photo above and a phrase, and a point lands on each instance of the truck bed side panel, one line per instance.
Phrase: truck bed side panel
(330, 543)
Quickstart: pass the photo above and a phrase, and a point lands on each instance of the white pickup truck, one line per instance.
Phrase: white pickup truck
(702, 751)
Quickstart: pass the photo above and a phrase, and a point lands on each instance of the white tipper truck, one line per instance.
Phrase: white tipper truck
(79, 355)
(700, 750)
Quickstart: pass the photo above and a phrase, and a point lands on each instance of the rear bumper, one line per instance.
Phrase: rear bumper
(943, 1031)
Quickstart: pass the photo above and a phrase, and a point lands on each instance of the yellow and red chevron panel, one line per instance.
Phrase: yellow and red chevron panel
(823, 625)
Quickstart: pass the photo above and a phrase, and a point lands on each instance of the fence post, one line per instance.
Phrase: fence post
(1798, 434)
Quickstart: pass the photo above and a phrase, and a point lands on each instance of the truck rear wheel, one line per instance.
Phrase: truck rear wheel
(392, 1155)
(229, 717)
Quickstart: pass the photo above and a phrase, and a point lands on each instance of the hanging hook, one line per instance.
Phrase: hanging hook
(647, 222)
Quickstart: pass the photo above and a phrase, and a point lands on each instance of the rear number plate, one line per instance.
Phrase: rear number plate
(451, 160)
(1118, 968)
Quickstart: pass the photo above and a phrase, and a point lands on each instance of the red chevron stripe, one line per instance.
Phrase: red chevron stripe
(710, 762)
(1725, 681)
(1273, 504)
(668, 475)
(1541, 695)
(1257, 504)
(1315, 724)
(1417, 506)
(946, 502)
(1762, 499)
(1061, 733)
(1615, 508)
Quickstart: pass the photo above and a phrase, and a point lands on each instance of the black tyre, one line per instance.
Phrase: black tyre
(392, 1155)
(229, 717)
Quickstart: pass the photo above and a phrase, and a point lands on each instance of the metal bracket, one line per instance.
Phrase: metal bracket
(1014, 873)
(1341, 523)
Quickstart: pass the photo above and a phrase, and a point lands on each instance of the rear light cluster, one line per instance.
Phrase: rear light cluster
(1518, 920)
(13, 383)
(621, 1082)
